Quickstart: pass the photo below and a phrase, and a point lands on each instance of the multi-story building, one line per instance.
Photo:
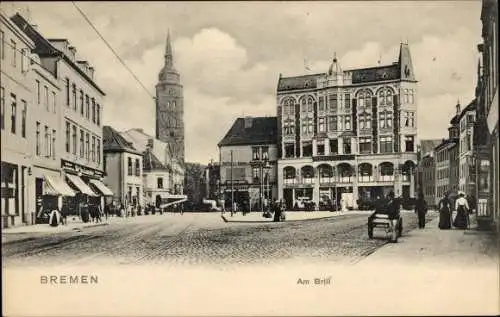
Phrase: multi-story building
(163, 175)
(123, 168)
(212, 181)
(16, 105)
(348, 134)
(467, 177)
(487, 145)
(442, 163)
(248, 156)
(427, 170)
(81, 104)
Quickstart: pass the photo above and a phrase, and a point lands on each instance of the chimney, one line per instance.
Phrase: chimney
(91, 72)
(150, 143)
(248, 122)
(72, 51)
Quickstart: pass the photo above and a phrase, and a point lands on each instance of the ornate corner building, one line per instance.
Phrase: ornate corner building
(348, 135)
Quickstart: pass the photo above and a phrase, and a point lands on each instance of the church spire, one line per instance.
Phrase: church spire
(169, 57)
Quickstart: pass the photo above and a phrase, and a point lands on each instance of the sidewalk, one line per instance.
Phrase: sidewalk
(434, 246)
(46, 228)
(256, 216)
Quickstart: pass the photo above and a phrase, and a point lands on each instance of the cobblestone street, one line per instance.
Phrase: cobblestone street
(201, 239)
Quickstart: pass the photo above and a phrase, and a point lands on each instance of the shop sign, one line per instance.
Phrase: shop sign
(81, 169)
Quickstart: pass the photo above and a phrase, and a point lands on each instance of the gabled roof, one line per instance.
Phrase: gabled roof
(252, 131)
(151, 162)
(114, 142)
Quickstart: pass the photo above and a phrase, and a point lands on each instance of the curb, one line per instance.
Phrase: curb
(69, 230)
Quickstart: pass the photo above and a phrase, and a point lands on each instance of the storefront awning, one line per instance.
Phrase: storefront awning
(101, 187)
(80, 184)
(55, 186)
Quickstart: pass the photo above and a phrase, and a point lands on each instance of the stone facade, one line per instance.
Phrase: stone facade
(348, 135)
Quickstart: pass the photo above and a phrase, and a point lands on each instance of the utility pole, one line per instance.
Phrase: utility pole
(232, 186)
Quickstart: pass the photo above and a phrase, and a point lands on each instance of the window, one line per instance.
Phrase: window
(24, 65)
(321, 104)
(255, 174)
(382, 120)
(13, 113)
(2, 108)
(67, 91)
(93, 149)
(310, 126)
(364, 99)
(98, 115)
(406, 96)
(68, 127)
(129, 195)
(406, 119)
(310, 105)
(74, 140)
(87, 106)
(334, 146)
(265, 153)
(23, 118)
(82, 106)
(87, 146)
(386, 144)
(411, 120)
(288, 126)
(75, 106)
(93, 110)
(322, 127)
(137, 167)
(159, 182)
(2, 46)
(347, 145)
(14, 52)
(333, 102)
(333, 123)
(385, 97)
(307, 149)
(38, 97)
(98, 150)
(46, 141)
(409, 143)
(303, 105)
(365, 145)
(46, 97)
(389, 120)
(304, 127)
(411, 96)
(289, 150)
(320, 148)
(256, 153)
(54, 102)
(54, 144)
(348, 122)
(82, 143)
(37, 145)
(129, 167)
(347, 99)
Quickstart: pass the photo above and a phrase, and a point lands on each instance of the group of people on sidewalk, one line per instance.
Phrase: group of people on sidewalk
(463, 209)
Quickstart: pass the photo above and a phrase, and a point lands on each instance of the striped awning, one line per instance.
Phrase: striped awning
(55, 186)
(101, 187)
(80, 185)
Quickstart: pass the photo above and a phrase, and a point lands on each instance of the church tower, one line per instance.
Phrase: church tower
(170, 105)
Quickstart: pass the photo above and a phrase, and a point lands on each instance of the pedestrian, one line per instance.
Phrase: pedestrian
(444, 207)
(462, 208)
(277, 212)
(421, 210)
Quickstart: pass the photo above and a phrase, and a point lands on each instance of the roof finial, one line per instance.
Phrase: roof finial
(169, 58)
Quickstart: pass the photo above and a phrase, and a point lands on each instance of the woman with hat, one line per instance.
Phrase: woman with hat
(462, 207)
(444, 207)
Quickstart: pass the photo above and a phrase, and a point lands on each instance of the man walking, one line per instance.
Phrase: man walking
(421, 210)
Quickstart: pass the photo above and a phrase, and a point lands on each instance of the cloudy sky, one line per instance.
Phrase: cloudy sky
(230, 54)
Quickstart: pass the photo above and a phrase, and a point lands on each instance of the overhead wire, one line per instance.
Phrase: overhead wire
(111, 48)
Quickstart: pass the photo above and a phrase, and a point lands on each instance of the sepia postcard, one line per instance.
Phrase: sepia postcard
(249, 158)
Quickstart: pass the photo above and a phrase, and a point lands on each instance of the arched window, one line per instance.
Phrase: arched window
(345, 173)
(365, 173)
(325, 173)
(307, 173)
(385, 97)
(364, 99)
(387, 172)
(303, 105)
(310, 104)
(289, 175)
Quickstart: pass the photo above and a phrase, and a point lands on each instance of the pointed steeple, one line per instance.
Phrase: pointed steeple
(169, 57)
(405, 64)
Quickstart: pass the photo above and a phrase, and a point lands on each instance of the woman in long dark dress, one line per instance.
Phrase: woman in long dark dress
(462, 207)
(444, 213)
